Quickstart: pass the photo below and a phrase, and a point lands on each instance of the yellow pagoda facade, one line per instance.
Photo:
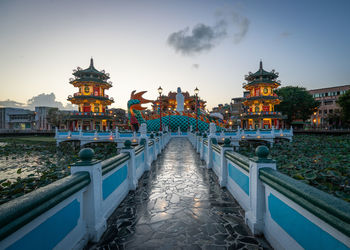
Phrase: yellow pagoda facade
(91, 100)
(260, 103)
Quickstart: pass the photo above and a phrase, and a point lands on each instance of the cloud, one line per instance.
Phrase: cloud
(242, 24)
(11, 104)
(195, 65)
(43, 99)
(201, 38)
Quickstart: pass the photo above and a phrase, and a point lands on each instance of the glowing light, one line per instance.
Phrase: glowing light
(134, 140)
(111, 137)
(95, 138)
(68, 137)
(258, 136)
(243, 137)
(281, 134)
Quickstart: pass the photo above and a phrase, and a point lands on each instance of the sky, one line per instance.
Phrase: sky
(209, 44)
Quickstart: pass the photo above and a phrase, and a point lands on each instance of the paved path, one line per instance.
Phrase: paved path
(178, 205)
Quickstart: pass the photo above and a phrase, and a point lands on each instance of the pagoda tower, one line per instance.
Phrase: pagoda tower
(261, 101)
(91, 99)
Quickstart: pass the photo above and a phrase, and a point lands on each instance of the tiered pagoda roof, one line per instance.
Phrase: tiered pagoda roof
(261, 77)
(90, 75)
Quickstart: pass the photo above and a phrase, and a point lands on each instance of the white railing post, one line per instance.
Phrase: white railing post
(95, 221)
(212, 134)
(131, 166)
(255, 215)
(199, 140)
(223, 172)
(116, 133)
(201, 152)
(144, 141)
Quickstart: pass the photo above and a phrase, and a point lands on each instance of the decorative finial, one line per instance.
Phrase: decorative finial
(86, 154)
(262, 152)
(261, 66)
(91, 62)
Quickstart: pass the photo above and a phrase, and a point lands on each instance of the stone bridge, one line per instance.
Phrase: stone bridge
(176, 192)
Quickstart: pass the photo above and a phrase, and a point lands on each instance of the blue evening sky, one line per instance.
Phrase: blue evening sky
(307, 42)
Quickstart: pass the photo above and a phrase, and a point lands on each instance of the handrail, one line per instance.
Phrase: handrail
(139, 149)
(241, 160)
(150, 143)
(18, 212)
(111, 163)
(332, 210)
(216, 148)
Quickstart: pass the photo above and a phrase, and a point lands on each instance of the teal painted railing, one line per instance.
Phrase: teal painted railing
(241, 160)
(139, 149)
(332, 210)
(111, 163)
(18, 212)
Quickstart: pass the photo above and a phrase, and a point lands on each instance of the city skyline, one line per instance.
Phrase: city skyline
(208, 44)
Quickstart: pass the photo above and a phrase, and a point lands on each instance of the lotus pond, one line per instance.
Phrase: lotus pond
(27, 163)
(322, 161)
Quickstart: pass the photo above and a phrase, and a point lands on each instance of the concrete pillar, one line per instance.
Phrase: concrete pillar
(131, 168)
(223, 172)
(95, 221)
(255, 216)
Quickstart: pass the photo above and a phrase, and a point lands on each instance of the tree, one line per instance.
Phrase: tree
(55, 117)
(297, 103)
(344, 103)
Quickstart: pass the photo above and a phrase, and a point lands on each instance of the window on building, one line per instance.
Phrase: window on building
(325, 111)
(320, 112)
(330, 111)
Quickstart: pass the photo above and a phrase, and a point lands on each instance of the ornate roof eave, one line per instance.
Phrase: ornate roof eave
(91, 69)
(81, 82)
(252, 84)
(261, 72)
(90, 97)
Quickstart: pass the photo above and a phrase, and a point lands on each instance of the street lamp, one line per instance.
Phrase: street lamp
(160, 90)
(196, 91)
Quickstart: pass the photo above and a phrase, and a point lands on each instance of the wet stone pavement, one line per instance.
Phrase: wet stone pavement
(178, 205)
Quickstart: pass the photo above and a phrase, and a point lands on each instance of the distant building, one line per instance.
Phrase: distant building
(329, 110)
(41, 118)
(17, 119)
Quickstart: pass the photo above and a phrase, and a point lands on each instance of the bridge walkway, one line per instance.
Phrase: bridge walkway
(178, 205)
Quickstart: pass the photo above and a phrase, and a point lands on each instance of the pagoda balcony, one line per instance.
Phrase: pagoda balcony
(81, 96)
(264, 97)
(90, 115)
(262, 114)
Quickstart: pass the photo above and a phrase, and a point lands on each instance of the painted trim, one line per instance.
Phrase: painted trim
(238, 177)
(114, 162)
(328, 208)
(302, 230)
(238, 159)
(18, 212)
(53, 230)
(112, 182)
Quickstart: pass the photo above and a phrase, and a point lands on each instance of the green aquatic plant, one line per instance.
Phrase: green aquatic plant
(322, 161)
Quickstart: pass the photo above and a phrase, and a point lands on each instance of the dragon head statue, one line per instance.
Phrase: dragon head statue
(135, 102)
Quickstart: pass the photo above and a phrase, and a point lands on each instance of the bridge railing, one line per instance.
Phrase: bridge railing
(69, 212)
(291, 214)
